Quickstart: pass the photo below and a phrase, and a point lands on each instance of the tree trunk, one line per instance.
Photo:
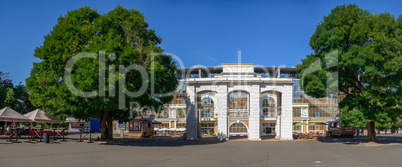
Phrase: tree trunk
(106, 126)
(371, 132)
(110, 127)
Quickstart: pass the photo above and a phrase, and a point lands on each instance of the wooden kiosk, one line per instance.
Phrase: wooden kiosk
(142, 126)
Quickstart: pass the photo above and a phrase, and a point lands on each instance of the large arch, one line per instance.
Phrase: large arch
(205, 112)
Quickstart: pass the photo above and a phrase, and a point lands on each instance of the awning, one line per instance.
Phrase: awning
(40, 116)
(8, 114)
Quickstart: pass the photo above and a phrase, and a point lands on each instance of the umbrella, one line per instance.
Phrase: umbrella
(40, 116)
(8, 114)
(300, 123)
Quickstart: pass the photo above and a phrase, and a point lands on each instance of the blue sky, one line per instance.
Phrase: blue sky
(271, 33)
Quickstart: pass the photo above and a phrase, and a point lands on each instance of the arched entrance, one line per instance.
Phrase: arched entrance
(238, 129)
(207, 117)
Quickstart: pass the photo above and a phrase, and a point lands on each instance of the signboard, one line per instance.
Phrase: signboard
(135, 127)
(122, 126)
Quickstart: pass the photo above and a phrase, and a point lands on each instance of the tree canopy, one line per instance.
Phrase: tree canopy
(108, 43)
(15, 97)
(366, 49)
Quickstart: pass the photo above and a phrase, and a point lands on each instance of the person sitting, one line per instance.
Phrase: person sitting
(8, 130)
(20, 132)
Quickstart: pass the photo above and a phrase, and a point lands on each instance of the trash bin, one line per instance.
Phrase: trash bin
(46, 137)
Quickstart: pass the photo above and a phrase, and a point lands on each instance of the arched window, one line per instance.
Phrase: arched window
(238, 128)
(268, 102)
(238, 105)
(238, 100)
(207, 107)
(268, 106)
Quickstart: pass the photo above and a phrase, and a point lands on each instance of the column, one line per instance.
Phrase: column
(222, 109)
(286, 113)
(255, 115)
(278, 126)
(192, 116)
(306, 126)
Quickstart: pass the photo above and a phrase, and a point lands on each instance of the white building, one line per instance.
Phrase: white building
(241, 99)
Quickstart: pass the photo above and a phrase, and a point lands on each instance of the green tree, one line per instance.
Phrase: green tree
(367, 48)
(23, 104)
(5, 83)
(10, 100)
(398, 122)
(17, 96)
(122, 35)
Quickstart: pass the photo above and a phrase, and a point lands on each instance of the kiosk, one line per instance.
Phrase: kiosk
(142, 126)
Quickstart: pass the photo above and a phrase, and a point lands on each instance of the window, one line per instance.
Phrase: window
(207, 128)
(238, 100)
(268, 107)
(161, 126)
(181, 125)
(164, 114)
(295, 88)
(268, 128)
(319, 111)
(207, 108)
(238, 105)
(317, 127)
(296, 112)
(181, 113)
(237, 128)
(179, 98)
(296, 127)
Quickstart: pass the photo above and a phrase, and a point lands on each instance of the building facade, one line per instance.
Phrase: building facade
(243, 100)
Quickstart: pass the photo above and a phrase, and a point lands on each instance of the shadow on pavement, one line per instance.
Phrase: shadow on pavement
(162, 141)
(381, 139)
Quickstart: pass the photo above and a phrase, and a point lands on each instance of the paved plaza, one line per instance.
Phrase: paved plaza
(208, 151)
